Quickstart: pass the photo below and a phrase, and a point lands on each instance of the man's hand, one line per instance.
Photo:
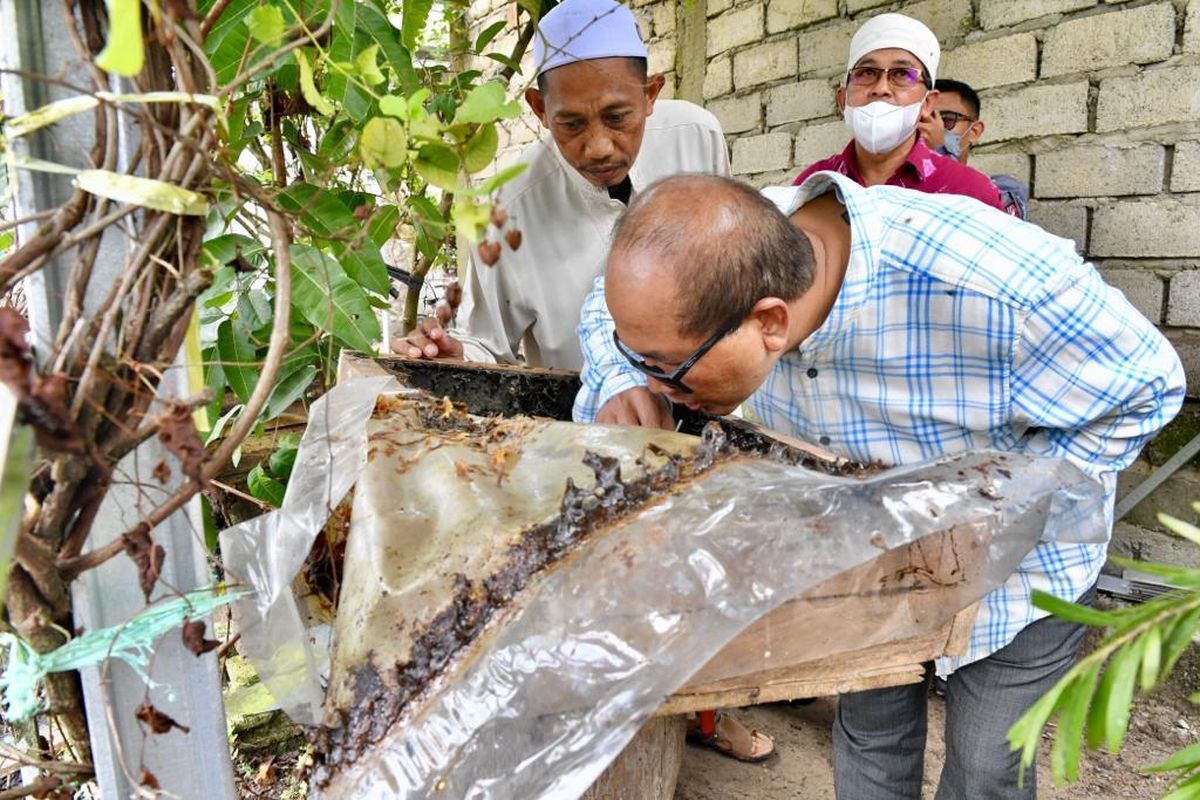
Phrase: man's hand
(429, 339)
(637, 406)
(932, 130)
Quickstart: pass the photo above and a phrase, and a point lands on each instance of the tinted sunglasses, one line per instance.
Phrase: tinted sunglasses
(950, 119)
(898, 77)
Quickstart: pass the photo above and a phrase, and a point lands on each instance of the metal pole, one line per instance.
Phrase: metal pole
(194, 765)
(1156, 479)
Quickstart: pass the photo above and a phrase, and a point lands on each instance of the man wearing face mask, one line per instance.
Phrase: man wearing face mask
(888, 88)
(956, 126)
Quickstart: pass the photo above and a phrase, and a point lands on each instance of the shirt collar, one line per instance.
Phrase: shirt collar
(583, 185)
(867, 225)
(918, 164)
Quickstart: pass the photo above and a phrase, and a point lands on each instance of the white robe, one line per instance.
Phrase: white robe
(529, 302)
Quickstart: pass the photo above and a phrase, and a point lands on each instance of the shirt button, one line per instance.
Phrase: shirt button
(824, 440)
(812, 372)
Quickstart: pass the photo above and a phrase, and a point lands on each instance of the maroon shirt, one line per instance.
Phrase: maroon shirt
(923, 170)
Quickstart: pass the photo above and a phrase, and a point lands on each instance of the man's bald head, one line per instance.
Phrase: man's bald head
(722, 244)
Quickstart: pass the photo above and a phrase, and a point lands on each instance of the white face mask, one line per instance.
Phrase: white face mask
(880, 127)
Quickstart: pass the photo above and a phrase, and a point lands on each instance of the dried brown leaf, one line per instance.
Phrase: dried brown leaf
(161, 471)
(157, 721)
(193, 638)
(147, 555)
(177, 432)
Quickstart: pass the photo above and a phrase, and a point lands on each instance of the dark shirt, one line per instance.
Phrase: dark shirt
(622, 191)
(923, 170)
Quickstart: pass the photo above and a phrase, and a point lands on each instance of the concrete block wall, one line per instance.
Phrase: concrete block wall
(1096, 105)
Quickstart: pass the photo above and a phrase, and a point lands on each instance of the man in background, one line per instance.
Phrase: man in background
(887, 89)
(954, 127)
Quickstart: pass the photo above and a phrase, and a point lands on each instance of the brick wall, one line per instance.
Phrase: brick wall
(1095, 104)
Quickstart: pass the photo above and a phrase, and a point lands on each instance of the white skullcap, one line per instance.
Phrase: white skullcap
(582, 30)
(896, 30)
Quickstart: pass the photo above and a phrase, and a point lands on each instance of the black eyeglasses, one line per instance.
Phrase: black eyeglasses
(950, 119)
(898, 77)
(674, 379)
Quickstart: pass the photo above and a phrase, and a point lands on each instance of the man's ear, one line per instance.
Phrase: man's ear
(840, 96)
(974, 133)
(537, 104)
(654, 85)
(773, 317)
(927, 106)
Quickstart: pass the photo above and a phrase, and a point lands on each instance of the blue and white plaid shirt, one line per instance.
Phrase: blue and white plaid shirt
(957, 327)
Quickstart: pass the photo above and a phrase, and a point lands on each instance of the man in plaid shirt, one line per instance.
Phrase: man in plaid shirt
(894, 326)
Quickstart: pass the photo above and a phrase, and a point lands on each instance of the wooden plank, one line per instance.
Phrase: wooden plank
(960, 631)
(648, 767)
(792, 689)
(908, 592)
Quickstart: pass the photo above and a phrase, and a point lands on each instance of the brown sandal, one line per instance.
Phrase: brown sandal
(733, 739)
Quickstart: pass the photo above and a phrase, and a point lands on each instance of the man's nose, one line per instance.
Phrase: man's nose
(658, 387)
(881, 88)
(598, 146)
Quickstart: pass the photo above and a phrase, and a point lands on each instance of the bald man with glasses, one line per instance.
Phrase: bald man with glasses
(888, 89)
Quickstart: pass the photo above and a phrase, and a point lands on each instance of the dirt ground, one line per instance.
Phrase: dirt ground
(803, 768)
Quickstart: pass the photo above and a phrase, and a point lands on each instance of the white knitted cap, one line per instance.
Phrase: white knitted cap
(896, 30)
(582, 30)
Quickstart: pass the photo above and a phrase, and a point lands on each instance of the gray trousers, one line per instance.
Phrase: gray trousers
(879, 735)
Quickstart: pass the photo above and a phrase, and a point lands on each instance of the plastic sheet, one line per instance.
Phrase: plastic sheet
(542, 691)
(266, 552)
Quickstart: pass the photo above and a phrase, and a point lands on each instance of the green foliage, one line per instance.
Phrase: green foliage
(360, 135)
(1094, 698)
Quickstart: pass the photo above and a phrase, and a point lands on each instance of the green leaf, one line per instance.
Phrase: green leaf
(228, 40)
(239, 359)
(382, 226)
(1186, 758)
(283, 457)
(309, 89)
(264, 487)
(481, 148)
(145, 192)
(487, 102)
(1026, 732)
(265, 24)
(339, 141)
(383, 144)
(1180, 528)
(502, 177)
(438, 165)
(415, 15)
(425, 208)
(1189, 789)
(470, 218)
(368, 68)
(393, 106)
(1064, 754)
(1177, 640)
(16, 465)
(1073, 612)
(6, 240)
(124, 53)
(223, 250)
(488, 33)
(1151, 658)
(506, 61)
(326, 297)
(375, 25)
(320, 211)
(1109, 718)
(290, 387)
(364, 264)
